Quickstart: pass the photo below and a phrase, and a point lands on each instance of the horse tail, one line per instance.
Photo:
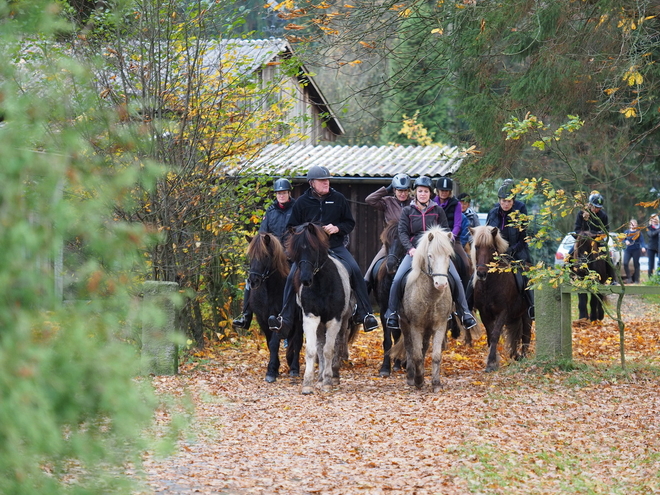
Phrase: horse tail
(398, 350)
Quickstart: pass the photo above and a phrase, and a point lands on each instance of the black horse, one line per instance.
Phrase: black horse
(589, 256)
(323, 292)
(385, 271)
(268, 271)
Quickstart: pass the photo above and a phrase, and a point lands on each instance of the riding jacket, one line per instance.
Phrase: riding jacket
(518, 249)
(415, 220)
(454, 221)
(591, 224)
(276, 219)
(652, 232)
(381, 200)
(333, 208)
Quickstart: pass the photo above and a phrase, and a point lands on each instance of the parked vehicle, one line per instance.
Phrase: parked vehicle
(568, 241)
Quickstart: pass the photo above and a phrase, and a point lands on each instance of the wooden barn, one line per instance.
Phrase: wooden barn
(357, 172)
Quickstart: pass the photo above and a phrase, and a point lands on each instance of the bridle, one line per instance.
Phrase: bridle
(430, 273)
(262, 277)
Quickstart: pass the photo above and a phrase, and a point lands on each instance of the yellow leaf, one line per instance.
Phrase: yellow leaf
(355, 62)
(629, 112)
(609, 91)
(437, 31)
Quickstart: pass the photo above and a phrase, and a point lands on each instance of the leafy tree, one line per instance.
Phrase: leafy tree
(71, 413)
(199, 106)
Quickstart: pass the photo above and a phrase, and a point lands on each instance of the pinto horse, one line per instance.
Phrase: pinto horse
(496, 296)
(268, 271)
(323, 292)
(383, 282)
(589, 256)
(426, 307)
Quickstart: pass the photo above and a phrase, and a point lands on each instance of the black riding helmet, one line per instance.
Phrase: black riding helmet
(596, 200)
(282, 185)
(505, 190)
(444, 184)
(423, 181)
(401, 182)
(318, 172)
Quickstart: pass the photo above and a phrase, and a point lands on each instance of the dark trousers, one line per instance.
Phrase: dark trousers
(652, 256)
(634, 256)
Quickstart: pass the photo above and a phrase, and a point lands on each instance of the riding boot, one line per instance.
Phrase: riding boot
(529, 296)
(363, 314)
(245, 318)
(282, 323)
(458, 295)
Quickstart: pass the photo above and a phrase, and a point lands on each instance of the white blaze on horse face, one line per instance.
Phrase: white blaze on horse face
(439, 268)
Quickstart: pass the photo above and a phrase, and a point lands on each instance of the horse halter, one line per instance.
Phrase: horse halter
(262, 277)
(430, 273)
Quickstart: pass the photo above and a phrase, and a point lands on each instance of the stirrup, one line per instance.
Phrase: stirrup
(275, 323)
(392, 322)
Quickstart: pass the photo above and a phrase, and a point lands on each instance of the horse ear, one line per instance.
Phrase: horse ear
(430, 236)
(450, 236)
(494, 231)
(267, 240)
(249, 238)
(471, 230)
(291, 229)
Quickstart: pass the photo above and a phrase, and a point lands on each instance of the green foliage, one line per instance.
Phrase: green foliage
(71, 412)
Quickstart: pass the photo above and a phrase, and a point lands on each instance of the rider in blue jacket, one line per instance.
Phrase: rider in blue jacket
(274, 222)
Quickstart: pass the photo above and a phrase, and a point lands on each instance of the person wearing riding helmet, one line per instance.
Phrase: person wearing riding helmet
(324, 205)
(452, 207)
(501, 217)
(274, 222)
(415, 219)
(594, 220)
(382, 200)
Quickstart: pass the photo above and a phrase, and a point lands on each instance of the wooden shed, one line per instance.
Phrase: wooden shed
(357, 172)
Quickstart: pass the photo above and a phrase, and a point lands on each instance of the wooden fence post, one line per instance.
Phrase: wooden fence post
(159, 352)
(553, 338)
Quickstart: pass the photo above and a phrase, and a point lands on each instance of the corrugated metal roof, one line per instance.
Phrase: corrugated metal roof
(356, 161)
(245, 56)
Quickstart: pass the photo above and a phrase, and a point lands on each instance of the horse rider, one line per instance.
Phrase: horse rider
(324, 205)
(381, 199)
(274, 222)
(465, 199)
(445, 199)
(594, 220)
(514, 234)
(415, 219)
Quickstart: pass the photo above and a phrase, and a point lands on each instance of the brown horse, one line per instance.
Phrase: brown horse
(501, 305)
(386, 269)
(268, 271)
(589, 255)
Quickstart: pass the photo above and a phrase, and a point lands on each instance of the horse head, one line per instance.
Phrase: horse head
(308, 247)
(487, 244)
(393, 246)
(585, 252)
(432, 256)
(267, 257)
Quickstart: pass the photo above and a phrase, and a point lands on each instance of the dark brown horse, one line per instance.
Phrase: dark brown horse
(502, 307)
(589, 257)
(268, 271)
(386, 269)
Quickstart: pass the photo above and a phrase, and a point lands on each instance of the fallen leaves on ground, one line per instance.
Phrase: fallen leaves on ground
(521, 430)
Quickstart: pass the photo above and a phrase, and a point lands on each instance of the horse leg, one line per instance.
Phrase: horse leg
(293, 351)
(386, 367)
(582, 306)
(332, 338)
(492, 363)
(439, 338)
(415, 360)
(398, 365)
(310, 324)
(273, 370)
(526, 335)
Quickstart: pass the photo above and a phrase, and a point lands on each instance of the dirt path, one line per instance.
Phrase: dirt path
(520, 430)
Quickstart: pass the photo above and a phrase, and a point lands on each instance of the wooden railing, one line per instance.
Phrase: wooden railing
(554, 339)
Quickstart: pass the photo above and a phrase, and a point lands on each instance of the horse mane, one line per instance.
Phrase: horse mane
(389, 232)
(258, 249)
(309, 236)
(483, 236)
(434, 241)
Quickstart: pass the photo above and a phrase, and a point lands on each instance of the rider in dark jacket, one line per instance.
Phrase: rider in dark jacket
(323, 205)
(415, 219)
(274, 222)
(515, 235)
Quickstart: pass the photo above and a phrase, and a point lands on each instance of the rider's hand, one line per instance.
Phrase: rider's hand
(411, 251)
(331, 229)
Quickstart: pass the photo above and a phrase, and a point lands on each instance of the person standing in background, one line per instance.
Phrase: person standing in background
(652, 245)
(634, 243)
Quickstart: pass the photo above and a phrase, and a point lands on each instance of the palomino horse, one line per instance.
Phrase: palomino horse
(501, 305)
(426, 306)
(323, 292)
(268, 271)
(383, 281)
(589, 256)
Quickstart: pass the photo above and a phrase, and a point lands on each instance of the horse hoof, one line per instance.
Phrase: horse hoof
(397, 365)
(410, 382)
(294, 374)
(307, 390)
(491, 368)
(437, 388)
(271, 378)
(327, 388)
(384, 372)
(335, 381)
